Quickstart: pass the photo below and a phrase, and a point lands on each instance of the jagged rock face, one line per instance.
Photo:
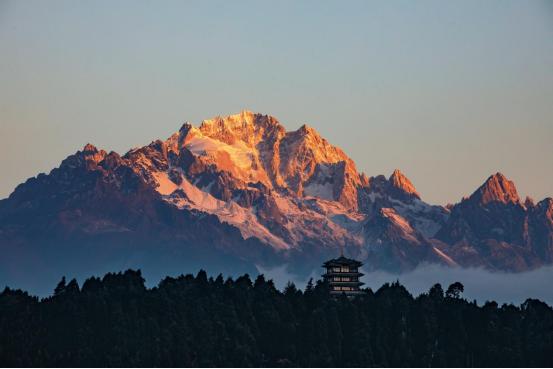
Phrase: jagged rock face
(245, 168)
(256, 148)
(398, 192)
(244, 188)
(493, 224)
(95, 213)
(402, 185)
(395, 245)
(97, 193)
(493, 211)
(496, 189)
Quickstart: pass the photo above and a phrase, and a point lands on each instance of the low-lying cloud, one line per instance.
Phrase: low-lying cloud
(480, 284)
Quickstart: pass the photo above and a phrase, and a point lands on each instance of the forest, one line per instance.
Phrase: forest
(201, 321)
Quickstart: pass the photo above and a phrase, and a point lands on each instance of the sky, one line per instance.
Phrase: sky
(448, 92)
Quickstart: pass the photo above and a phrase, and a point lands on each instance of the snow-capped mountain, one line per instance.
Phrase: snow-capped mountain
(243, 191)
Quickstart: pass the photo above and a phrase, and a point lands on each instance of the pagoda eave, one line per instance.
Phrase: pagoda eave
(345, 283)
(340, 274)
(347, 293)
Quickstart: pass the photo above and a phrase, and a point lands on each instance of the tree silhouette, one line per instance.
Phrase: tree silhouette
(455, 290)
(203, 321)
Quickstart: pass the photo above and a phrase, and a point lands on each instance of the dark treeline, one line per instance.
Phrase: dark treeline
(201, 321)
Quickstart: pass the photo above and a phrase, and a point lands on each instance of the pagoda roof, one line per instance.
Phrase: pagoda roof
(342, 261)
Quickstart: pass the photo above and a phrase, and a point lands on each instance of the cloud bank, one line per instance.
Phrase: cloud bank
(480, 284)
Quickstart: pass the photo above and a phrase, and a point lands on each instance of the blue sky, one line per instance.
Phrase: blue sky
(448, 92)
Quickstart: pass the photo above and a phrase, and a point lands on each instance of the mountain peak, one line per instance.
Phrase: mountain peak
(547, 203)
(245, 126)
(529, 202)
(400, 181)
(88, 154)
(187, 126)
(241, 120)
(89, 149)
(497, 188)
(91, 152)
(306, 130)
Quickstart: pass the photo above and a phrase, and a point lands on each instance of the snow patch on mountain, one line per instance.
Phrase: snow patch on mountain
(401, 222)
(449, 261)
(427, 219)
(240, 155)
(191, 197)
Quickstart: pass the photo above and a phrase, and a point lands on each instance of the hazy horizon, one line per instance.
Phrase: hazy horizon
(449, 93)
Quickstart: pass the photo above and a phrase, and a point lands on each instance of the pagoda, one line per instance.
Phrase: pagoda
(342, 275)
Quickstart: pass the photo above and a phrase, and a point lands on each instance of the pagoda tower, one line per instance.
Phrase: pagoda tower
(342, 275)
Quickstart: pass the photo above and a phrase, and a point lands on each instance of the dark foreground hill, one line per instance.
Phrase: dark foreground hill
(201, 321)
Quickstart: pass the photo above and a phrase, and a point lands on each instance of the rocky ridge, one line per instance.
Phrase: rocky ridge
(249, 188)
